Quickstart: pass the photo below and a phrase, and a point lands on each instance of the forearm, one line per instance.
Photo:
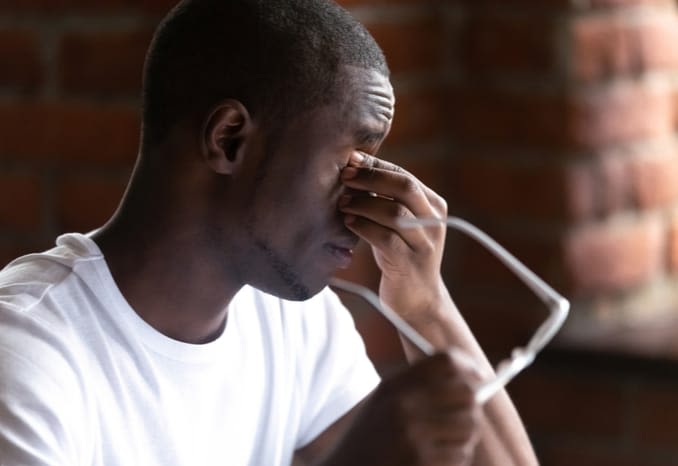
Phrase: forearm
(503, 438)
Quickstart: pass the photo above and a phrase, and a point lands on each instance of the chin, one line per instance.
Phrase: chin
(302, 291)
(286, 279)
(292, 290)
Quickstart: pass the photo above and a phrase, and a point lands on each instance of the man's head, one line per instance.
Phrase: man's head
(270, 99)
(277, 57)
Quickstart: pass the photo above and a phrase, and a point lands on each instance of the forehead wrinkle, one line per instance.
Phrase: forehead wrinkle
(383, 105)
(378, 93)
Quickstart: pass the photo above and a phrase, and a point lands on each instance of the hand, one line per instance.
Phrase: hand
(409, 258)
(425, 415)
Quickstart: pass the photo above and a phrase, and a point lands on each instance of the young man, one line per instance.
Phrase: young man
(195, 327)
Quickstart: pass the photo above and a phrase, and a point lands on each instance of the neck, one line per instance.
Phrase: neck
(166, 266)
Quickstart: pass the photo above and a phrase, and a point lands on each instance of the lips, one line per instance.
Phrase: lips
(342, 251)
(343, 256)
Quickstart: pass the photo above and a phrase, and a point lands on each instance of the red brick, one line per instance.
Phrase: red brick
(654, 180)
(623, 181)
(413, 45)
(561, 4)
(524, 118)
(541, 4)
(20, 202)
(620, 3)
(585, 120)
(610, 45)
(507, 190)
(86, 203)
(673, 244)
(103, 62)
(495, 44)
(61, 131)
(614, 256)
(619, 114)
(433, 167)
(472, 267)
(20, 66)
(569, 404)
(575, 191)
(613, 184)
(655, 415)
(54, 7)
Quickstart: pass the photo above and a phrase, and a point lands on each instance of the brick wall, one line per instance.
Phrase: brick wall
(548, 123)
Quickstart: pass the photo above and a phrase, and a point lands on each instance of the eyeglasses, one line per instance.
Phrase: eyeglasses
(520, 357)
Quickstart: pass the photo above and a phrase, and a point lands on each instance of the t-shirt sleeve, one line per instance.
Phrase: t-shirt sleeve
(36, 403)
(338, 373)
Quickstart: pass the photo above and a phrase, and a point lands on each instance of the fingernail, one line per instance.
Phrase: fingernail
(348, 219)
(344, 200)
(349, 172)
(357, 157)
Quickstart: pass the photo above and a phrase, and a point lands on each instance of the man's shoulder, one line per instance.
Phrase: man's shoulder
(27, 280)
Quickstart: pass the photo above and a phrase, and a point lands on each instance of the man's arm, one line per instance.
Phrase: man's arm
(37, 414)
(410, 261)
(503, 437)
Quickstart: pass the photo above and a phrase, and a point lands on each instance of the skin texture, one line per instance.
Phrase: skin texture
(227, 201)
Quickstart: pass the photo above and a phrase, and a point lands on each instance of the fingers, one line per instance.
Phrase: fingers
(375, 219)
(438, 402)
(362, 160)
(395, 194)
(425, 415)
(368, 173)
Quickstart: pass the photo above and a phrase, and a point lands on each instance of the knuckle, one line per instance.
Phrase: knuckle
(440, 205)
(400, 211)
(428, 248)
(390, 239)
(409, 185)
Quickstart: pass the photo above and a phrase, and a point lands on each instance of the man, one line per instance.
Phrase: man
(195, 328)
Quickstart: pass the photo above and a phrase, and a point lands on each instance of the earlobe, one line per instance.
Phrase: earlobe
(224, 133)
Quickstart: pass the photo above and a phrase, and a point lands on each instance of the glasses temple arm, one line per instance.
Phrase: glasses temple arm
(398, 322)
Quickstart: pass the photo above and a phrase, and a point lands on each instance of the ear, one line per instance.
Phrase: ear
(224, 132)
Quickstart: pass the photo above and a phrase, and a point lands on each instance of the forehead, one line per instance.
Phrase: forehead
(366, 96)
(359, 112)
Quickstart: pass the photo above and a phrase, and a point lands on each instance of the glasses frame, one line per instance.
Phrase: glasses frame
(521, 356)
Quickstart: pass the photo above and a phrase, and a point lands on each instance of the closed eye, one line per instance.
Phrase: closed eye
(368, 138)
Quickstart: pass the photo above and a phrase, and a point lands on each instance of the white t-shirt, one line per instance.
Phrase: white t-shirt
(84, 381)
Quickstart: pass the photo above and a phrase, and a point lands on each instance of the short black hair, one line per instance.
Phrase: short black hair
(278, 57)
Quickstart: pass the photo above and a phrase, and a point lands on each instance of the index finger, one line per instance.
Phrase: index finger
(360, 159)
